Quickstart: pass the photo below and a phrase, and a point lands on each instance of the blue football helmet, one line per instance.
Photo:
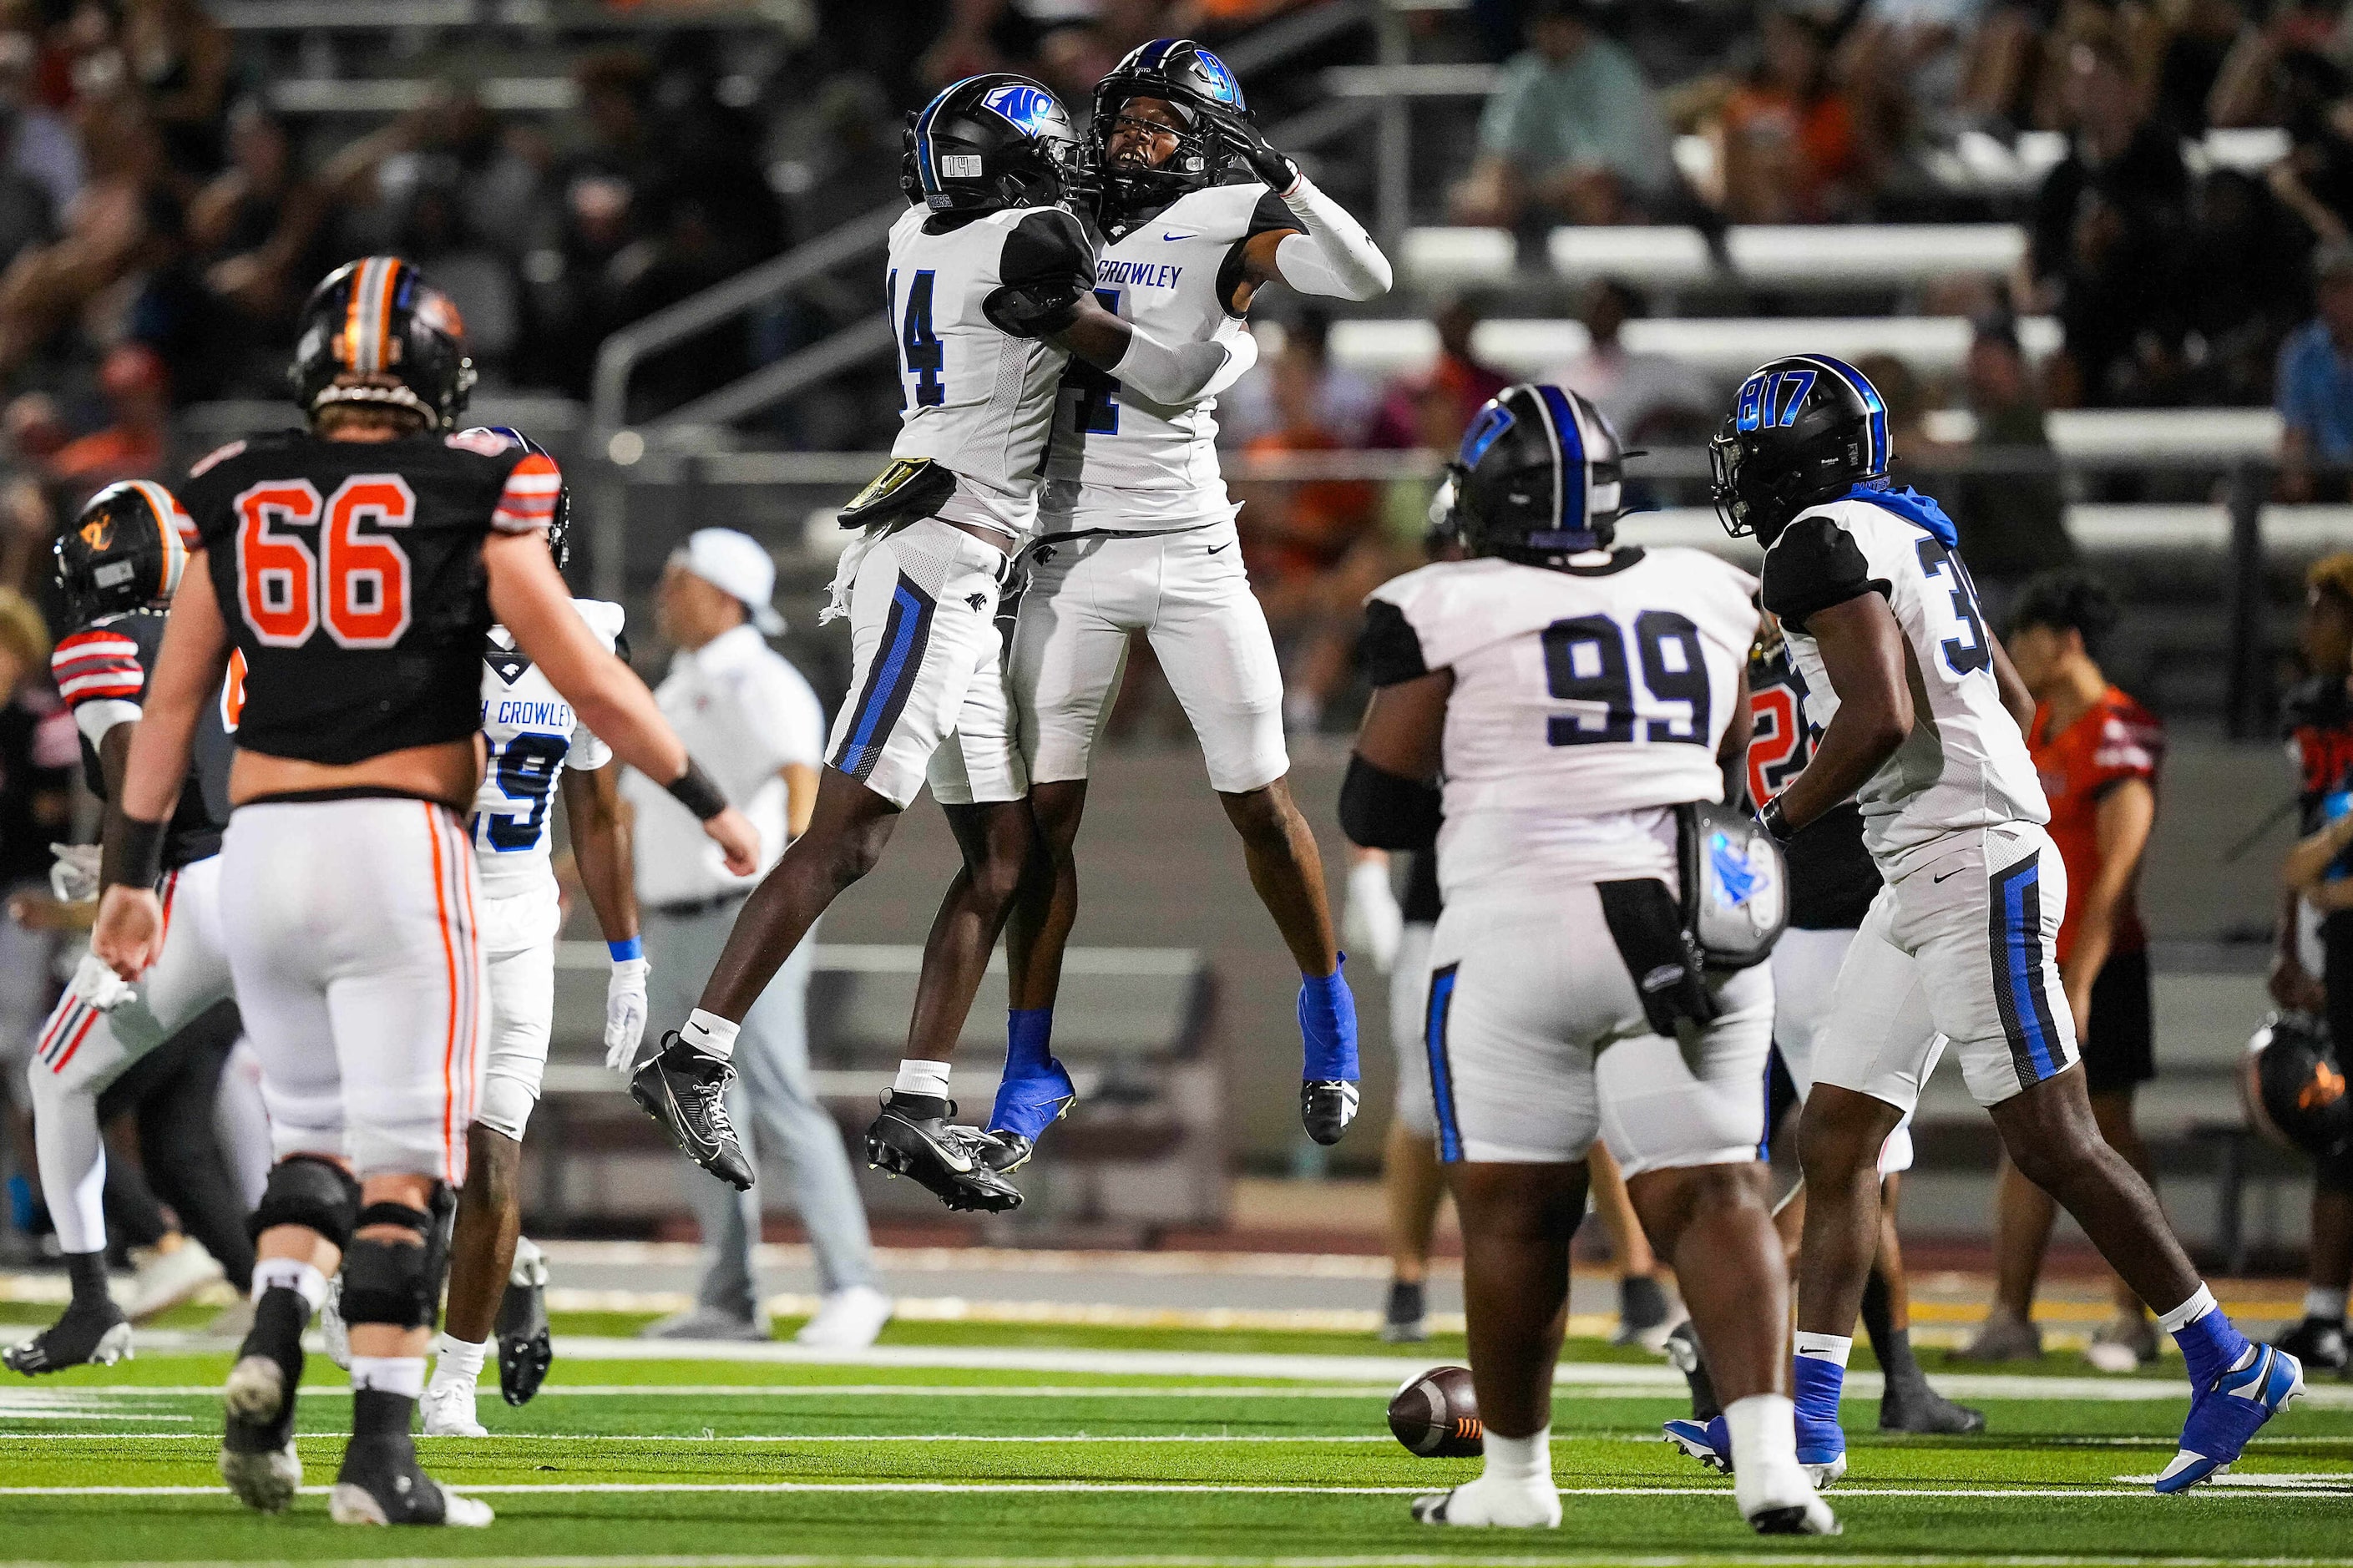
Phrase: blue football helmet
(1802, 430)
(1538, 477)
(990, 142)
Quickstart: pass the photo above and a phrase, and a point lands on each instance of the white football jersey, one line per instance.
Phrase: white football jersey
(1965, 764)
(1118, 460)
(532, 734)
(971, 396)
(1586, 700)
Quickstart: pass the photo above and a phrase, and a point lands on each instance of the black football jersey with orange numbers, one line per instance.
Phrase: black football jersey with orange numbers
(1833, 878)
(101, 672)
(351, 576)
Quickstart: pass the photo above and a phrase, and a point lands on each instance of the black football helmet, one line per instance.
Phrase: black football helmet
(379, 317)
(126, 549)
(559, 527)
(1194, 82)
(2293, 1088)
(1802, 430)
(1538, 477)
(990, 142)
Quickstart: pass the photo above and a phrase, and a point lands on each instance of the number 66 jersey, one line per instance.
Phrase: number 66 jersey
(1587, 699)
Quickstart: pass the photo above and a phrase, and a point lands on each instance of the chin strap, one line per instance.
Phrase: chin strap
(1335, 257)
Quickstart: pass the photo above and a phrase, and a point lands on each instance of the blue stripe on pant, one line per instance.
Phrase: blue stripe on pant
(1442, 1077)
(2016, 950)
(898, 658)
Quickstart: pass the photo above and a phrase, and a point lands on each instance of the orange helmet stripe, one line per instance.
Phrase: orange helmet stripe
(367, 318)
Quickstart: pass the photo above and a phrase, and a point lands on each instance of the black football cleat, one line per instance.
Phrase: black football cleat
(89, 1333)
(1920, 1408)
(913, 1137)
(686, 1092)
(1010, 1152)
(526, 1350)
(381, 1483)
(257, 1458)
(1326, 1106)
(2318, 1342)
(1682, 1351)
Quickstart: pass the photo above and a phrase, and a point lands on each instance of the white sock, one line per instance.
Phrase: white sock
(297, 1276)
(403, 1374)
(1522, 1461)
(710, 1034)
(1764, 1432)
(2319, 1301)
(922, 1077)
(2189, 1312)
(1822, 1347)
(455, 1361)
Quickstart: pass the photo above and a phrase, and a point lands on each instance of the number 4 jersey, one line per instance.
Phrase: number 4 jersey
(1965, 764)
(1587, 700)
(351, 576)
(534, 736)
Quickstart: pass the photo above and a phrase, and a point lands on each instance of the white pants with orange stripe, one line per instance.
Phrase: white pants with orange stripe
(81, 1051)
(354, 939)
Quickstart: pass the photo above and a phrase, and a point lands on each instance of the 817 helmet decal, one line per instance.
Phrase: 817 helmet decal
(376, 331)
(990, 142)
(1803, 430)
(1538, 476)
(125, 550)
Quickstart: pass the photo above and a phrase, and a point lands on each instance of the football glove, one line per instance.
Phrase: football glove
(99, 986)
(624, 1013)
(73, 877)
(1245, 141)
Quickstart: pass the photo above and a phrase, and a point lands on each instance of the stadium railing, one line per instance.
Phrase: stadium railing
(1787, 257)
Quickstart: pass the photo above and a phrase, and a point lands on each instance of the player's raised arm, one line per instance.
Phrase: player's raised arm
(530, 601)
(1329, 253)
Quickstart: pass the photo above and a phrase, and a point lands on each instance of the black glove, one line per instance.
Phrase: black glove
(1247, 142)
(1037, 309)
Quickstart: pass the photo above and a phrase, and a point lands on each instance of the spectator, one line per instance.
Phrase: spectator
(1646, 397)
(2315, 385)
(1347, 404)
(2012, 523)
(1459, 379)
(180, 59)
(138, 391)
(754, 722)
(1786, 142)
(2314, 181)
(2097, 752)
(2104, 239)
(2312, 964)
(1573, 130)
(124, 221)
(41, 145)
(2192, 63)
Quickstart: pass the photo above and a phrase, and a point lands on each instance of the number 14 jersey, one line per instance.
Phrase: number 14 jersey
(1587, 700)
(1965, 764)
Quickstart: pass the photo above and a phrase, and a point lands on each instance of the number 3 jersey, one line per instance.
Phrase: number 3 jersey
(349, 574)
(972, 396)
(532, 736)
(1587, 700)
(1965, 764)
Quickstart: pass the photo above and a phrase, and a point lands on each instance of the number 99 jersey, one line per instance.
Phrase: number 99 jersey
(532, 736)
(1965, 764)
(1586, 699)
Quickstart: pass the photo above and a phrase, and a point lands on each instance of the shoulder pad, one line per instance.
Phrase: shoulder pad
(604, 618)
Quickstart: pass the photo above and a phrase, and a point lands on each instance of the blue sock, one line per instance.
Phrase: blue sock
(1035, 1088)
(2211, 1345)
(1328, 1025)
(1818, 1383)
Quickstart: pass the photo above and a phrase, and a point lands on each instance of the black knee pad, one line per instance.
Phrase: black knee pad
(306, 1191)
(391, 1282)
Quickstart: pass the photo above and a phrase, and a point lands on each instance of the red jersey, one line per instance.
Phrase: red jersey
(2114, 740)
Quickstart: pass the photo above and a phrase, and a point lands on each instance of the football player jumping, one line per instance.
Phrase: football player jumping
(1137, 535)
(1923, 721)
(991, 289)
(118, 565)
(355, 567)
(1582, 700)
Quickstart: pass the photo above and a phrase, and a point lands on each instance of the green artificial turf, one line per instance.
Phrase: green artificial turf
(949, 1477)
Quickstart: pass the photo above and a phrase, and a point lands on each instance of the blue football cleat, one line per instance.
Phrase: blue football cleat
(1822, 1450)
(2228, 1411)
(1709, 1442)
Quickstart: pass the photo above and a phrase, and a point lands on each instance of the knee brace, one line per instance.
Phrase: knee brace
(391, 1282)
(309, 1192)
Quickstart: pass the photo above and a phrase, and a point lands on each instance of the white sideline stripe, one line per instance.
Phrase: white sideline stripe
(1176, 1489)
(90, 1400)
(783, 1437)
(1392, 1560)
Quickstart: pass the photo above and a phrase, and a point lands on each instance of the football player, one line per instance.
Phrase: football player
(1136, 535)
(355, 567)
(991, 289)
(118, 565)
(1923, 721)
(1579, 700)
(497, 1278)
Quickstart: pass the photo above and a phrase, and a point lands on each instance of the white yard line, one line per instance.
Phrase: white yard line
(83, 1398)
(1179, 1488)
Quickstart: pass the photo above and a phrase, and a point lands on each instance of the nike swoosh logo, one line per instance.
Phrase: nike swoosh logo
(1939, 881)
(1215, 548)
(1166, 235)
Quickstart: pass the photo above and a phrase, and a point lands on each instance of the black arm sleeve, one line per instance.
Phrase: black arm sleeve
(1815, 564)
(1386, 649)
(1046, 266)
(1267, 217)
(1380, 810)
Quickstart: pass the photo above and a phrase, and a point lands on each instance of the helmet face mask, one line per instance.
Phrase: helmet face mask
(990, 142)
(1538, 477)
(125, 550)
(1803, 429)
(375, 333)
(1196, 84)
(559, 527)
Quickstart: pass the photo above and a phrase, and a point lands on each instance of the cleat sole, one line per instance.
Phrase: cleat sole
(266, 1481)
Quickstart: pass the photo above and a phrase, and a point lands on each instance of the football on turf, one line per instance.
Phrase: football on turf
(1435, 1414)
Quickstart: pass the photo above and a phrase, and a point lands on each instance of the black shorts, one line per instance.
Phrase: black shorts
(2120, 1046)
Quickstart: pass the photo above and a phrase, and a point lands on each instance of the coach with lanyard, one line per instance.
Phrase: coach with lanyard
(760, 729)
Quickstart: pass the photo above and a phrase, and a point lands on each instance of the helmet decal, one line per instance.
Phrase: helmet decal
(1023, 104)
(1222, 85)
(1875, 452)
(1484, 432)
